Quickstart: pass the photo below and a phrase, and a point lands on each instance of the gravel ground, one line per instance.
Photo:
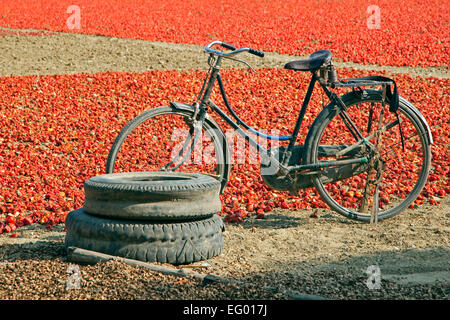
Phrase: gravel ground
(288, 252)
(112, 280)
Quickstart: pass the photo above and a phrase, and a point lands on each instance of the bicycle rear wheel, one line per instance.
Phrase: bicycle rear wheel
(394, 181)
(160, 140)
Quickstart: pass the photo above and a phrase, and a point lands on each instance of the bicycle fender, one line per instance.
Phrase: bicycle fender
(424, 122)
(182, 106)
(404, 103)
(188, 107)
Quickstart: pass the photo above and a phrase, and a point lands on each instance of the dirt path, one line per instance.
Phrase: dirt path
(289, 250)
(68, 53)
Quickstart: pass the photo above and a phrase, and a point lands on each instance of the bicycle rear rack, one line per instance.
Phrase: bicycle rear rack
(328, 77)
(360, 82)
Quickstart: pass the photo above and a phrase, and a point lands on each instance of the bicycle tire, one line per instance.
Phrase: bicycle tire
(329, 191)
(220, 166)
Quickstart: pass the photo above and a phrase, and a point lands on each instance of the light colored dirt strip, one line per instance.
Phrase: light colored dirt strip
(23, 52)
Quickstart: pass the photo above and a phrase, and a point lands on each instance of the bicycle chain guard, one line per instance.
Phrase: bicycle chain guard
(291, 182)
(296, 179)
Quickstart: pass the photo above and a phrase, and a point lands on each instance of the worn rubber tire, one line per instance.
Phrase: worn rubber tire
(168, 242)
(152, 196)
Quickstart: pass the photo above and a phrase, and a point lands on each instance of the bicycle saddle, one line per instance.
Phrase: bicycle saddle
(314, 62)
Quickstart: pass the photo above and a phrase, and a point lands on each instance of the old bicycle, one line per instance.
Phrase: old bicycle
(367, 153)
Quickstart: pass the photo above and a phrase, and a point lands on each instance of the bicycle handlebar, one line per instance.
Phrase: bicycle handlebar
(228, 46)
(231, 47)
(256, 52)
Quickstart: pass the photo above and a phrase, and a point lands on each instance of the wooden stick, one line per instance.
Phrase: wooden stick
(83, 256)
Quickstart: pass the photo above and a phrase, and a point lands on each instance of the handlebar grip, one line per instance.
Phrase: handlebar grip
(228, 46)
(256, 52)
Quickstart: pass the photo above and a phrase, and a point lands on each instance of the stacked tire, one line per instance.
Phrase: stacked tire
(164, 217)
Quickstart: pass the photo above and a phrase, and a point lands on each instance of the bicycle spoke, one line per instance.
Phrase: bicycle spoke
(179, 154)
(187, 154)
(161, 139)
(398, 143)
(350, 125)
(391, 178)
(365, 140)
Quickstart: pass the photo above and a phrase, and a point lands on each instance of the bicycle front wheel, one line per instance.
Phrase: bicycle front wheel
(397, 141)
(161, 139)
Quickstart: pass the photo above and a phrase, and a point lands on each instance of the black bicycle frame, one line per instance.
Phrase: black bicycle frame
(267, 158)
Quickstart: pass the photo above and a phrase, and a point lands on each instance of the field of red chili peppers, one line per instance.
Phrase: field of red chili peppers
(56, 131)
(399, 33)
(64, 97)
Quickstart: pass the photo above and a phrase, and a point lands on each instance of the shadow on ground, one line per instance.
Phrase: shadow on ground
(400, 274)
(403, 274)
(280, 219)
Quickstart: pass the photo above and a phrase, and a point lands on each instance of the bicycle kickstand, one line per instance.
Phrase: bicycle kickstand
(379, 167)
(376, 196)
